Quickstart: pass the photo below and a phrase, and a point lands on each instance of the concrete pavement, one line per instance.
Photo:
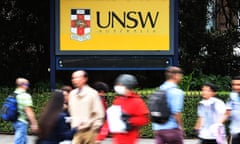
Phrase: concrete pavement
(9, 139)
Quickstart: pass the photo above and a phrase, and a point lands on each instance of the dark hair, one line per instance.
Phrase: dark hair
(66, 88)
(213, 87)
(50, 113)
(101, 86)
(236, 78)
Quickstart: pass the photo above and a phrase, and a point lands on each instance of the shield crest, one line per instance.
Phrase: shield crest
(80, 24)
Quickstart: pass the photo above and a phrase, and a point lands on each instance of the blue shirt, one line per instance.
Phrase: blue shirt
(175, 99)
(233, 104)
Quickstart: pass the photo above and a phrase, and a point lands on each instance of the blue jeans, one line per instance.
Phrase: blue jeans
(20, 132)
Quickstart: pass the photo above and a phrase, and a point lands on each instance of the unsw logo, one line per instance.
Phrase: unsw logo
(80, 24)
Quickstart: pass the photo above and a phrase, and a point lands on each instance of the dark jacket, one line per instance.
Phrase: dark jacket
(60, 132)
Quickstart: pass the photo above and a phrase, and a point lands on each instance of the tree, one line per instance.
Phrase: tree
(208, 51)
(24, 40)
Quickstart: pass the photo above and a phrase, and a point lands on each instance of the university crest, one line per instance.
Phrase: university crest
(80, 24)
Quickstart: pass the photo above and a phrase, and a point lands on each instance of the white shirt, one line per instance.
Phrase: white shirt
(211, 112)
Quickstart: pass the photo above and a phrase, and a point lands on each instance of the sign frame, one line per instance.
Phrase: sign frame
(56, 54)
(172, 38)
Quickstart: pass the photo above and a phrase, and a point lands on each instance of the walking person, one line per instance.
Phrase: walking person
(53, 127)
(133, 111)
(233, 111)
(66, 89)
(210, 112)
(26, 113)
(102, 89)
(171, 132)
(85, 108)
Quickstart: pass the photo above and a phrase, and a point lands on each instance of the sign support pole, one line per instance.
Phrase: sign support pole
(175, 21)
(52, 46)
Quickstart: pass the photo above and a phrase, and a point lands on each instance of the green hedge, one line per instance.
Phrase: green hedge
(40, 97)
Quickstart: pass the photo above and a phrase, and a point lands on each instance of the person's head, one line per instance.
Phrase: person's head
(57, 99)
(50, 113)
(125, 83)
(101, 87)
(236, 84)
(79, 78)
(174, 74)
(208, 90)
(22, 83)
(66, 90)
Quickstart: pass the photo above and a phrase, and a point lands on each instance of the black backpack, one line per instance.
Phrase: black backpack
(9, 111)
(158, 107)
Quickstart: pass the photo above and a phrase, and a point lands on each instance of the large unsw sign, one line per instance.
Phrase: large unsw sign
(114, 25)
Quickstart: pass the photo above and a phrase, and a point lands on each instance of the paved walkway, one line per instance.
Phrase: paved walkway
(8, 139)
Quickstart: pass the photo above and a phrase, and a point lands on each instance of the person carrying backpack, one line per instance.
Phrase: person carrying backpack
(172, 130)
(26, 114)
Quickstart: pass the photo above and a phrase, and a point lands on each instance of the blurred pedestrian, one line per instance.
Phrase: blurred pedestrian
(53, 127)
(102, 89)
(26, 113)
(85, 108)
(233, 111)
(133, 110)
(171, 132)
(210, 112)
(67, 89)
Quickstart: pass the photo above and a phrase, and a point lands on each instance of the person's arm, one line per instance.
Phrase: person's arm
(99, 112)
(178, 117)
(63, 129)
(225, 116)
(177, 106)
(31, 117)
(141, 116)
(103, 133)
(227, 113)
(198, 124)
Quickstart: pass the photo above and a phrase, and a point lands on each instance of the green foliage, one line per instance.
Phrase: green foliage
(195, 80)
(24, 40)
(186, 82)
(210, 52)
(190, 111)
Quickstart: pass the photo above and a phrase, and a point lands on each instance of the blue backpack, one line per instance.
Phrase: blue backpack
(9, 111)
